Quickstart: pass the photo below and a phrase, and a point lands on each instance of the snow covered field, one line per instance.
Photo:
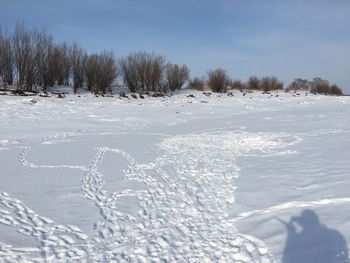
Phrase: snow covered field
(179, 179)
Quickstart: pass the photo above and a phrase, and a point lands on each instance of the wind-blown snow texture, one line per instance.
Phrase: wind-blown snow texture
(180, 179)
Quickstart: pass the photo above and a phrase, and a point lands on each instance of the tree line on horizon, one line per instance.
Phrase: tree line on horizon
(31, 59)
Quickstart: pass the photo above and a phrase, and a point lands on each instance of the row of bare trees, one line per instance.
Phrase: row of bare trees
(36, 59)
(145, 72)
(316, 85)
(218, 81)
(30, 58)
(264, 84)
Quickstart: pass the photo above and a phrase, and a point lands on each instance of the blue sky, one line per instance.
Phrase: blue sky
(285, 38)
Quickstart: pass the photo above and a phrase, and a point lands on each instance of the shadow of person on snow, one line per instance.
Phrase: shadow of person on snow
(309, 241)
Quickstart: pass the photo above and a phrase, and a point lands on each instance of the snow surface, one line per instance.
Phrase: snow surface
(179, 179)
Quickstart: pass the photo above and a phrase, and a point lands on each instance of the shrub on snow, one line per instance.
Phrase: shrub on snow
(218, 80)
(143, 72)
(176, 76)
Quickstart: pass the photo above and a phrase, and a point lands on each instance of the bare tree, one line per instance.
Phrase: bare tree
(253, 83)
(197, 83)
(100, 71)
(131, 77)
(43, 54)
(106, 72)
(59, 65)
(90, 70)
(299, 84)
(270, 83)
(63, 65)
(218, 80)
(143, 72)
(237, 85)
(6, 66)
(54, 66)
(176, 76)
(77, 66)
(319, 85)
(322, 86)
(23, 56)
(335, 90)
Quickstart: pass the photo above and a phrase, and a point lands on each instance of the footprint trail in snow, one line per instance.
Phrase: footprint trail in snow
(183, 215)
